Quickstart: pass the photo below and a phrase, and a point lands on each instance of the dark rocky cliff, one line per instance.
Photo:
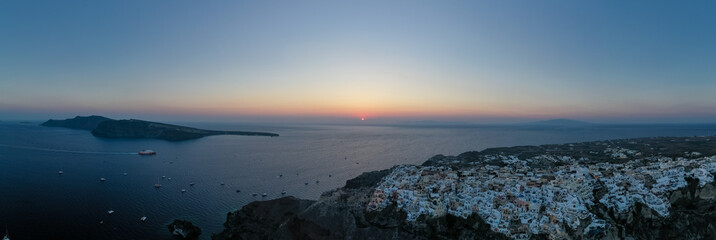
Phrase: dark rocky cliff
(341, 214)
(693, 216)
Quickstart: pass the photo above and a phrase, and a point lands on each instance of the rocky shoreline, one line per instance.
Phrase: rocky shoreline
(183, 229)
(344, 213)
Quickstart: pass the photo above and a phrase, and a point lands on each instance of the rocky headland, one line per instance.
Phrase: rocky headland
(647, 188)
(183, 229)
(109, 128)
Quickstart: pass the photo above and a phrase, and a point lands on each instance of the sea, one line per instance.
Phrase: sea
(36, 202)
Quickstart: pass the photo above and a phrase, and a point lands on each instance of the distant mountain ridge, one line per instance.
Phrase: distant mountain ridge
(133, 128)
(560, 122)
(431, 123)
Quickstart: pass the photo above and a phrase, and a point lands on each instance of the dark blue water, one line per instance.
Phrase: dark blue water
(38, 203)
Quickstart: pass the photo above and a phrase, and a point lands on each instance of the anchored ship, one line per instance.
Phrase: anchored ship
(147, 152)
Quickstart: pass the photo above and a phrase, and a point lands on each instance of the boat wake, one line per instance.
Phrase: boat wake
(66, 151)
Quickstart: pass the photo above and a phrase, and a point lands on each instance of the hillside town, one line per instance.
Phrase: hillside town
(523, 197)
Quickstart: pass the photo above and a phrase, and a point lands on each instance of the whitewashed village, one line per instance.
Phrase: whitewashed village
(519, 198)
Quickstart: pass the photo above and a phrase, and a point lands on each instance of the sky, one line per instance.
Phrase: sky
(473, 61)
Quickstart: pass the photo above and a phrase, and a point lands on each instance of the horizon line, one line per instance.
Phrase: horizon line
(387, 121)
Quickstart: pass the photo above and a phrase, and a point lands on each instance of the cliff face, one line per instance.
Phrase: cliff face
(693, 216)
(340, 214)
(83, 123)
(109, 128)
(259, 220)
(343, 213)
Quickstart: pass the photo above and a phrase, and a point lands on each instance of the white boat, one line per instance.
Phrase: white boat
(147, 152)
(143, 219)
(183, 190)
(110, 212)
(264, 194)
(60, 172)
(102, 179)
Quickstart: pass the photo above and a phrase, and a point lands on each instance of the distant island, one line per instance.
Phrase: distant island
(646, 188)
(133, 128)
(560, 123)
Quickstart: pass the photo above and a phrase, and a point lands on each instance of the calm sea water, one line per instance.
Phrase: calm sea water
(38, 203)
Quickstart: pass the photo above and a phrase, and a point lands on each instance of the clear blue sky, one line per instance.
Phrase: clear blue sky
(604, 61)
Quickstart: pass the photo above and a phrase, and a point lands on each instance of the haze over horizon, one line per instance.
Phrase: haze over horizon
(322, 61)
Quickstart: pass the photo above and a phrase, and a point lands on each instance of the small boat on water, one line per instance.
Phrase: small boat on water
(110, 212)
(143, 219)
(7, 235)
(60, 172)
(147, 152)
(102, 179)
(157, 185)
(264, 194)
(283, 192)
(191, 184)
(125, 174)
(183, 190)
